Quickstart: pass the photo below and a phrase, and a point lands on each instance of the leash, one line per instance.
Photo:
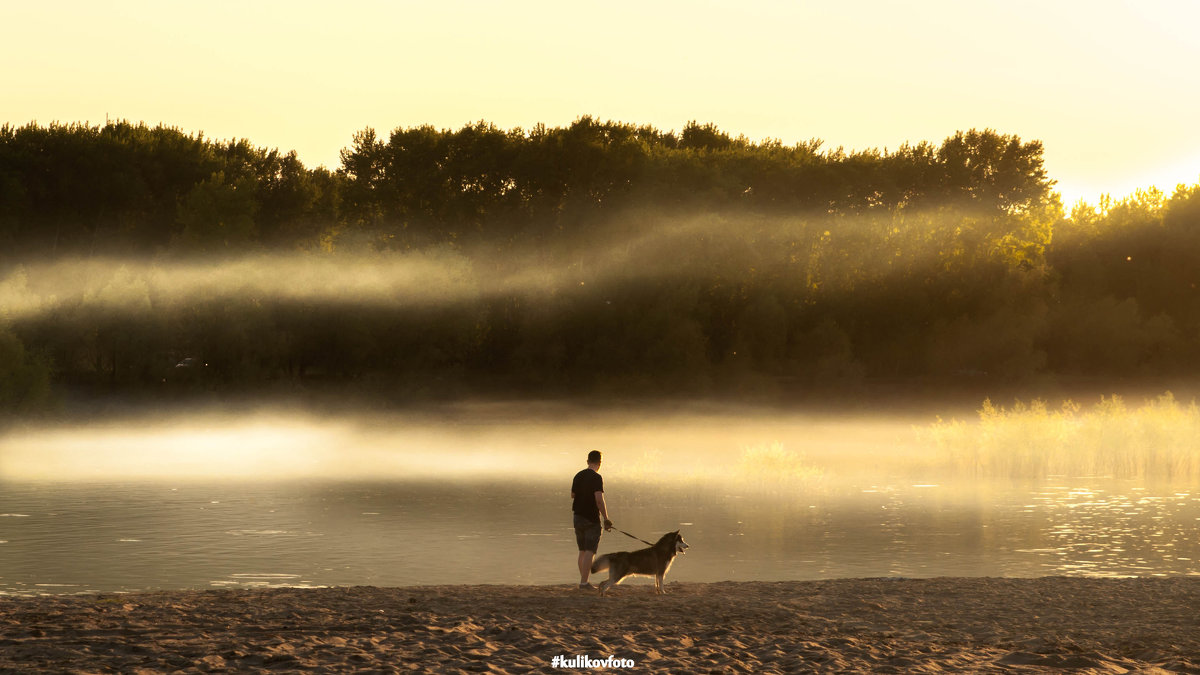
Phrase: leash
(633, 537)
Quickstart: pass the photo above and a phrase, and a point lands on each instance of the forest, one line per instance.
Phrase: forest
(596, 259)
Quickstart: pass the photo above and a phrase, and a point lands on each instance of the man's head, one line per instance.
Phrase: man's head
(594, 459)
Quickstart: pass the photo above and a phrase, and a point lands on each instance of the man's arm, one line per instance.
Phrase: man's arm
(603, 510)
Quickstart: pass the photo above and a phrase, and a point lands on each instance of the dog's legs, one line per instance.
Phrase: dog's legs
(658, 584)
(611, 581)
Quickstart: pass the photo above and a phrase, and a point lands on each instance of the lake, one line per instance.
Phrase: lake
(275, 501)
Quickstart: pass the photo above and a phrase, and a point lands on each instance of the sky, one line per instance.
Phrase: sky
(1111, 87)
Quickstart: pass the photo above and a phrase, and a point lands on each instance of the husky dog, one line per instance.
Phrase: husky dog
(648, 562)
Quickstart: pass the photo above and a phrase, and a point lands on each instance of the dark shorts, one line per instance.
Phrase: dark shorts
(587, 534)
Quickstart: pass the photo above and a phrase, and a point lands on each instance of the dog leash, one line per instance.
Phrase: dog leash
(633, 537)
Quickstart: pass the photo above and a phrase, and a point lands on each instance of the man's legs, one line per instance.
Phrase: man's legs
(587, 536)
(585, 565)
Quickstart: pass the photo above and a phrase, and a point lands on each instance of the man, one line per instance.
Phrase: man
(587, 496)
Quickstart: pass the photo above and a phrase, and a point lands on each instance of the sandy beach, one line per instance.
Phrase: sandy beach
(1050, 624)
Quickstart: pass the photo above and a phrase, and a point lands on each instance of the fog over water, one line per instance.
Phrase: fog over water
(502, 441)
(477, 493)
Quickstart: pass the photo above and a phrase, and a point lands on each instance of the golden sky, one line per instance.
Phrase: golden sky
(1112, 88)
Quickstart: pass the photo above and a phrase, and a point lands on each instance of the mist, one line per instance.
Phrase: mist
(478, 493)
(701, 446)
(641, 247)
(139, 286)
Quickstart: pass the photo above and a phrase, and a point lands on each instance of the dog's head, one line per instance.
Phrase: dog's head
(680, 544)
(671, 541)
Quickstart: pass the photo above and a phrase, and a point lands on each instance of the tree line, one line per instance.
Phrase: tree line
(124, 188)
(691, 262)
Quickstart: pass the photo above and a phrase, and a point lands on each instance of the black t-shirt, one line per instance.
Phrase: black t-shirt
(585, 486)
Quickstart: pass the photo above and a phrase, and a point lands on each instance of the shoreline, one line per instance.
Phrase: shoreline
(1048, 624)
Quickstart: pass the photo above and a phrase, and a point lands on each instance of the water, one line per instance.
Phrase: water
(479, 494)
(71, 536)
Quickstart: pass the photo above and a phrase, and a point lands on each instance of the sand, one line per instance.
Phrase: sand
(854, 625)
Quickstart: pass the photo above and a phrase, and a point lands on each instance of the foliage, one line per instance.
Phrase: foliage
(124, 188)
(668, 263)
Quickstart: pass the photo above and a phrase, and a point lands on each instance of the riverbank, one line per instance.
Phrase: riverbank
(879, 625)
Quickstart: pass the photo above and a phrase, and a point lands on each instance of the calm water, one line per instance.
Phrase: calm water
(63, 537)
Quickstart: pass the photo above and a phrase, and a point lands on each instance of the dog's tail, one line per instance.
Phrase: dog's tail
(600, 564)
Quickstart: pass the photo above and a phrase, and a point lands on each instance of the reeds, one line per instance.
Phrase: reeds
(770, 467)
(1160, 439)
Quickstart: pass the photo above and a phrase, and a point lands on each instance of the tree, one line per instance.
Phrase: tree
(704, 137)
(994, 172)
(218, 216)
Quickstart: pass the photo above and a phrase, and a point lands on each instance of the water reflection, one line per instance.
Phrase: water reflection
(1118, 530)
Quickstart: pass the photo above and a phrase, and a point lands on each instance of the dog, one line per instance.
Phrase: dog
(647, 562)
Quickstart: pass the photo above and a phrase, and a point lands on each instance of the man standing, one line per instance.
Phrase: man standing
(587, 495)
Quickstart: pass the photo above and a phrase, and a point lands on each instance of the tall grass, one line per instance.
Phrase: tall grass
(1160, 439)
(770, 467)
